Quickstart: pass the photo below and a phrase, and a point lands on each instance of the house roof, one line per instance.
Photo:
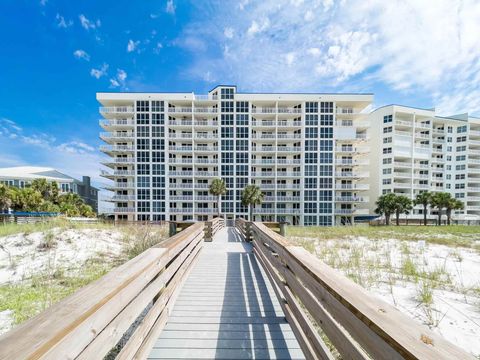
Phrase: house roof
(34, 172)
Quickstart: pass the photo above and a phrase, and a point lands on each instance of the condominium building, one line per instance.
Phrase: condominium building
(308, 153)
(414, 150)
(22, 176)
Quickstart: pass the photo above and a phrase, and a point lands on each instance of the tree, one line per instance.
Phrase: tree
(386, 206)
(440, 201)
(453, 204)
(402, 205)
(424, 199)
(48, 190)
(218, 188)
(26, 199)
(5, 198)
(251, 195)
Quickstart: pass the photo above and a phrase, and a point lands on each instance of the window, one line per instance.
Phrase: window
(324, 208)
(158, 156)
(325, 183)
(310, 183)
(460, 167)
(227, 132)
(242, 145)
(386, 181)
(227, 145)
(157, 131)
(227, 158)
(158, 169)
(242, 170)
(311, 120)
(325, 221)
(311, 107)
(326, 107)
(461, 139)
(157, 106)
(326, 133)
(143, 206)
(227, 106)
(310, 195)
(226, 93)
(226, 119)
(387, 150)
(311, 133)
(387, 171)
(143, 181)
(310, 208)
(143, 131)
(158, 144)
(158, 194)
(311, 158)
(326, 145)
(387, 119)
(158, 206)
(461, 157)
(242, 132)
(387, 140)
(461, 148)
(143, 144)
(325, 195)
(143, 169)
(242, 106)
(158, 181)
(242, 119)
(326, 120)
(311, 145)
(326, 158)
(387, 161)
(158, 119)
(387, 130)
(142, 106)
(143, 156)
(143, 119)
(227, 170)
(310, 170)
(462, 129)
(143, 194)
(325, 170)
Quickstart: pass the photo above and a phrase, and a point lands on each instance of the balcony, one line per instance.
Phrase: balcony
(116, 136)
(180, 173)
(289, 149)
(206, 211)
(288, 186)
(181, 186)
(180, 161)
(351, 175)
(351, 149)
(108, 123)
(181, 198)
(423, 125)
(122, 198)
(289, 110)
(123, 210)
(346, 111)
(120, 186)
(180, 136)
(119, 160)
(351, 211)
(117, 173)
(206, 148)
(286, 123)
(264, 136)
(403, 123)
(180, 109)
(206, 110)
(263, 110)
(116, 148)
(116, 110)
(180, 123)
(206, 198)
(180, 148)
(282, 198)
(206, 97)
(181, 210)
(207, 136)
(352, 186)
(276, 211)
(351, 199)
(206, 161)
(351, 162)
(205, 123)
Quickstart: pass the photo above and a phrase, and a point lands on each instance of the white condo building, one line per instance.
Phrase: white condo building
(308, 153)
(413, 150)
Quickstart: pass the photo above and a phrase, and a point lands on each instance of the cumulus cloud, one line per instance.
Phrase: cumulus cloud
(98, 73)
(119, 79)
(88, 24)
(81, 54)
(410, 47)
(132, 45)
(170, 7)
(62, 23)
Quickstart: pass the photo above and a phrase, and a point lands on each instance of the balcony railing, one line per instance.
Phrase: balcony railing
(116, 122)
(123, 198)
(206, 110)
(263, 110)
(350, 199)
(180, 122)
(276, 211)
(206, 97)
(124, 210)
(117, 148)
(352, 186)
(116, 109)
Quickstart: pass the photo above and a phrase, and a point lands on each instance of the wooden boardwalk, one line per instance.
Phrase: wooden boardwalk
(227, 309)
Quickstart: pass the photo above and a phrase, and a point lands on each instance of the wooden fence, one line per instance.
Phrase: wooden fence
(357, 324)
(211, 227)
(90, 322)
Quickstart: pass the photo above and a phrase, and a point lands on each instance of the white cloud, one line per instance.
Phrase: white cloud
(228, 32)
(158, 47)
(153, 16)
(170, 7)
(81, 54)
(119, 80)
(114, 83)
(410, 46)
(88, 24)
(43, 2)
(132, 45)
(62, 23)
(121, 75)
(255, 27)
(98, 73)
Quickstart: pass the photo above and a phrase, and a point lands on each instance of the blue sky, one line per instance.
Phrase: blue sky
(55, 55)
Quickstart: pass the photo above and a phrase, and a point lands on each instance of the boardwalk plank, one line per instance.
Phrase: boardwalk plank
(227, 309)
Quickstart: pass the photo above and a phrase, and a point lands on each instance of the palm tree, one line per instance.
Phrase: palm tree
(424, 199)
(402, 205)
(453, 204)
(26, 199)
(386, 206)
(49, 190)
(5, 197)
(251, 195)
(218, 188)
(439, 201)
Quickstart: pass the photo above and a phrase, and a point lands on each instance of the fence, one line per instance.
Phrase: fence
(357, 325)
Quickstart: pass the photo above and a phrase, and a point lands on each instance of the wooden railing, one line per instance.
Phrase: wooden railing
(357, 324)
(211, 227)
(243, 227)
(135, 298)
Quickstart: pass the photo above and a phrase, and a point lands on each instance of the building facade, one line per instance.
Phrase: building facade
(308, 153)
(414, 150)
(22, 176)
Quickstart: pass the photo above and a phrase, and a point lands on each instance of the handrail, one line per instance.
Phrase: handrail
(358, 325)
(90, 322)
(212, 227)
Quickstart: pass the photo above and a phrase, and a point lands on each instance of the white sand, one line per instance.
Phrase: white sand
(377, 264)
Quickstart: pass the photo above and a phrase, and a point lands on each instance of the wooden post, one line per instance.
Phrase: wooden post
(208, 231)
(248, 231)
(282, 228)
(172, 228)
